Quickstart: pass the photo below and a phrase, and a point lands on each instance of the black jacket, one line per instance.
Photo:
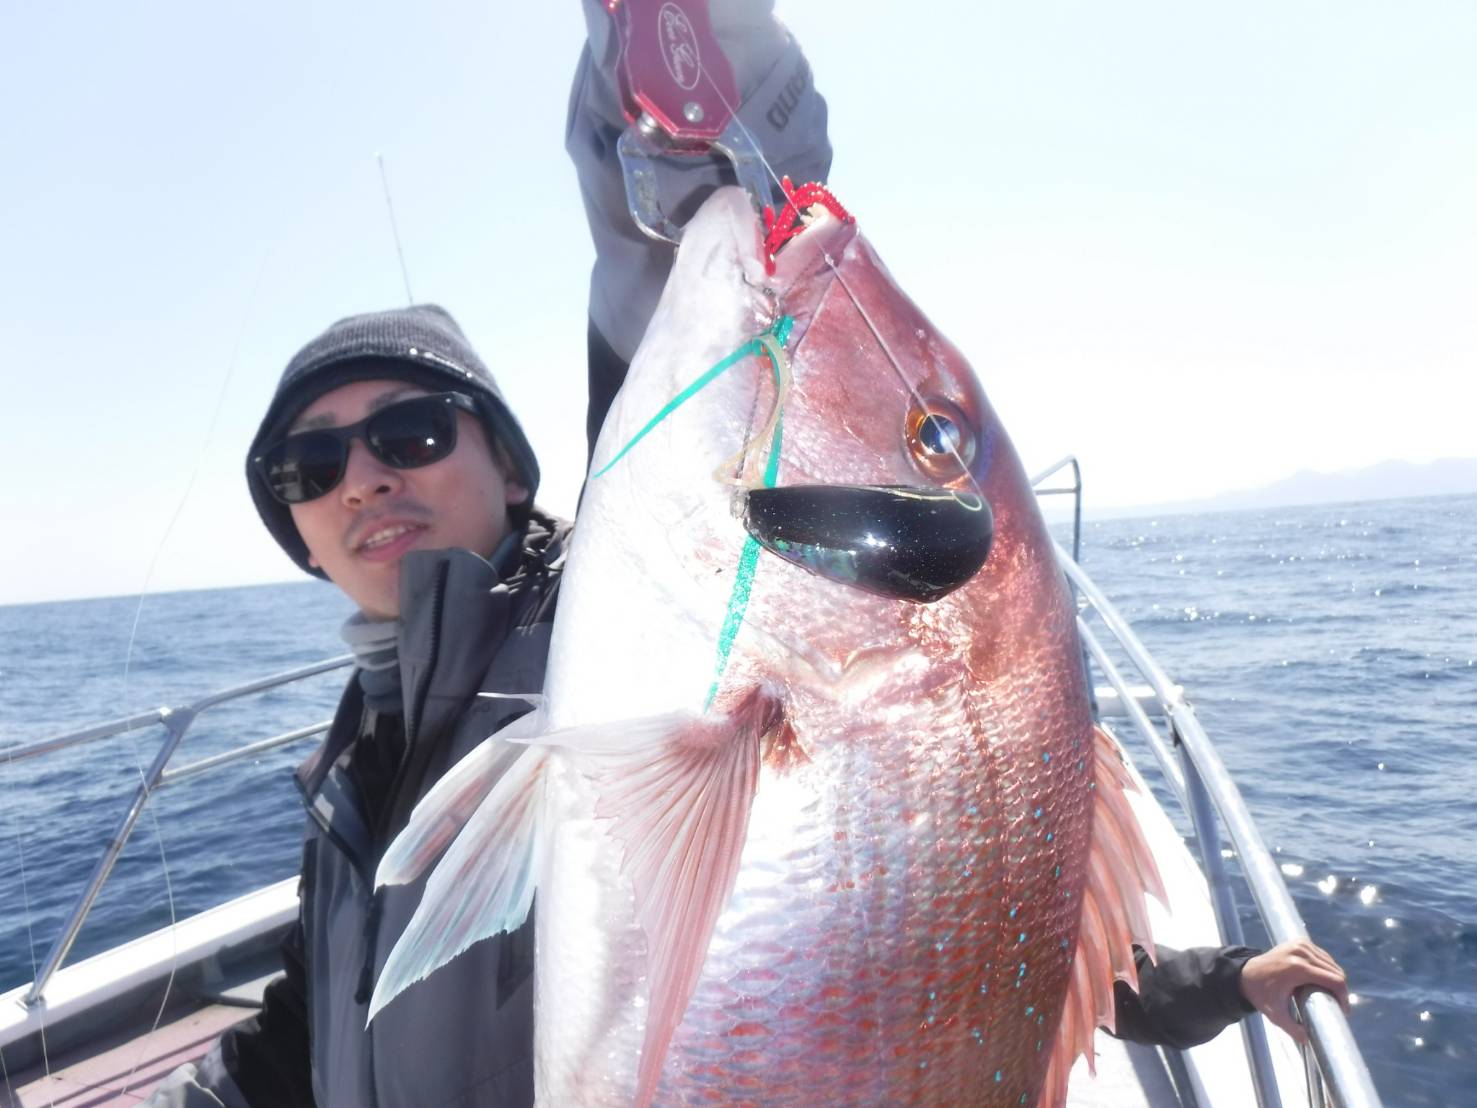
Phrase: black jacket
(1185, 998)
(440, 1043)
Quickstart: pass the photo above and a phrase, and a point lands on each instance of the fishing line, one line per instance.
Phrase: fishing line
(128, 660)
(251, 302)
(748, 348)
(395, 229)
(866, 317)
(133, 737)
(20, 848)
(743, 582)
(881, 342)
(771, 345)
(898, 369)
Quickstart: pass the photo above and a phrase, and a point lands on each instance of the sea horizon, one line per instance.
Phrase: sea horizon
(1053, 510)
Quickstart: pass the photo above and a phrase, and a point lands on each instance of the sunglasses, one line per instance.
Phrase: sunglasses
(404, 435)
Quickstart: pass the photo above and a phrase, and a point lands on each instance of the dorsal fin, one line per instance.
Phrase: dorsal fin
(1120, 872)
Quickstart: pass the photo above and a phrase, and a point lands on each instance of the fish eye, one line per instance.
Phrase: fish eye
(938, 434)
(938, 439)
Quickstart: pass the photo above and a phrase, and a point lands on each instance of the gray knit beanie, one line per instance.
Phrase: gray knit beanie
(422, 345)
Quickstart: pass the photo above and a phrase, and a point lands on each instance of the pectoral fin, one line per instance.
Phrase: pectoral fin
(679, 803)
(446, 808)
(486, 881)
(484, 884)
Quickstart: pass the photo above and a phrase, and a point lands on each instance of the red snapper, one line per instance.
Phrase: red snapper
(813, 804)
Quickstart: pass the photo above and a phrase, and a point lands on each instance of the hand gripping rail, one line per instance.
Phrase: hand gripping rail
(175, 721)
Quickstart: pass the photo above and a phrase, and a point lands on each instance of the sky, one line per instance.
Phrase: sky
(1199, 246)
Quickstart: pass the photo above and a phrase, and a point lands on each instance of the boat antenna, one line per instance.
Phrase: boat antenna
(394, 228)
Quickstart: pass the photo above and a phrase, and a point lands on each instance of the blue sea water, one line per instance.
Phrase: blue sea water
(1330, 651)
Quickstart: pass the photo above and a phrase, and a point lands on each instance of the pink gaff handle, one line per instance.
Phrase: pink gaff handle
(678, 90)
(672, 71)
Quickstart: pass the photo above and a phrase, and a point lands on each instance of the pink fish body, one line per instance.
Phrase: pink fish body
(796, 840)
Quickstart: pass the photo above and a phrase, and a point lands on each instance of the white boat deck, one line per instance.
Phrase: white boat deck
(1132, 1076)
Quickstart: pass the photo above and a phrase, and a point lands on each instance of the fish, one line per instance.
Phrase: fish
(812, 803)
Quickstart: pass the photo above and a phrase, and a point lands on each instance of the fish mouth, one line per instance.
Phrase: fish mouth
(897, 541)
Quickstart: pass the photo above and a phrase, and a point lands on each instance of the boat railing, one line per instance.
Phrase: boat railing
(1198, 779)
(1074, 490)
(175, 721)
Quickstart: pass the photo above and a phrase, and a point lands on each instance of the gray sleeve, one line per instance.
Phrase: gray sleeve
(781, 109)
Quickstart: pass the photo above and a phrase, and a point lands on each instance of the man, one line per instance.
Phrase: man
(389, 463)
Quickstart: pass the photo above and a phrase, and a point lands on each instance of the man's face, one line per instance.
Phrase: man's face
(358, 532)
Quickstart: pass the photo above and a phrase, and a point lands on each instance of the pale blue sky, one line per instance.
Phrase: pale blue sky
(1202, 247)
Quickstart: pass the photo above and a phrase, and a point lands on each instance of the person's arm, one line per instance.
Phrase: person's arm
(1188, 997)
(1185, 998)
(781, 110)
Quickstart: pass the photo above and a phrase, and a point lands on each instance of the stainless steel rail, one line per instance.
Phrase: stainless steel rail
(1203, 785)
(176, 722)
(22, 751)
(173, 776)
(1163, 752)
(1073, 490)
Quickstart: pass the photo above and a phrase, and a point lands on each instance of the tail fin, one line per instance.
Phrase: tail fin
(1120, 871)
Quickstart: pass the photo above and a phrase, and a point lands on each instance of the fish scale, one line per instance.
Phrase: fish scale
(897, 826)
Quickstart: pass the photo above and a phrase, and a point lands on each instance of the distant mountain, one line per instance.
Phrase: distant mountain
(1383, 481)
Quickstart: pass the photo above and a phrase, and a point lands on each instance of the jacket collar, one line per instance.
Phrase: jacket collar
(453, 618)
(456, 612)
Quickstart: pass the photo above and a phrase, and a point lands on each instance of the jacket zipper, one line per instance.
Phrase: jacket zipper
(417, 701)
(365, 987)
(412, 724)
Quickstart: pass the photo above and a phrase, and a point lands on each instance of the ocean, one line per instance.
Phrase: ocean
(1331, 653)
